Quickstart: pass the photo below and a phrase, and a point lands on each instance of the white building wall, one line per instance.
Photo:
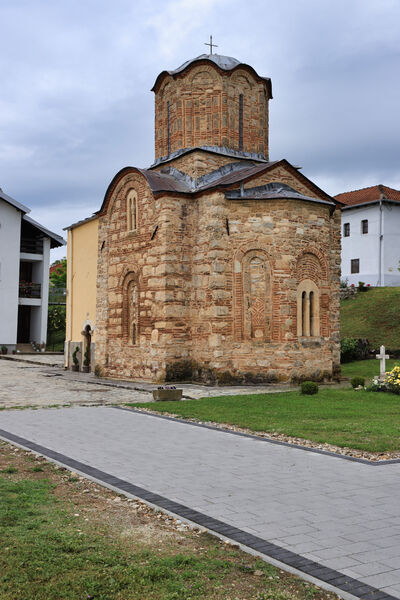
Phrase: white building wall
(365, 246)
(10, 235)
(391, 245)
(40, 274)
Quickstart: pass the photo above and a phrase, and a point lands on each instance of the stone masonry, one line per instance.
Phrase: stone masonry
(231, 270)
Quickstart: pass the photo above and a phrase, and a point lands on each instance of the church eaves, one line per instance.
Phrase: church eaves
(225, 63)
(171, 180)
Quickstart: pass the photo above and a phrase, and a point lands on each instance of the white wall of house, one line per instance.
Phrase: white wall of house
(10, 235)
(391, 244)
(40, 274)
(365, 246)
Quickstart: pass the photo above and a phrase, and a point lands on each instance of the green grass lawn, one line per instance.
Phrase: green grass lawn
(59, 543)
(374, 315)
(344, 417)
(366, 368)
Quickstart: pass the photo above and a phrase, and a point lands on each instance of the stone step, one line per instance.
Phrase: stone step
(25, 348)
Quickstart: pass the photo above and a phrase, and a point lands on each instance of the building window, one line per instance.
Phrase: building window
(131, 211)
(308, 309)
(355, 265)
(346, 229)
(240, 121)
(364, 226)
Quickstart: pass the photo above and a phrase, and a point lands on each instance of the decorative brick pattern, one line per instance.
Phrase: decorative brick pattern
(215, 280)
(201, 107)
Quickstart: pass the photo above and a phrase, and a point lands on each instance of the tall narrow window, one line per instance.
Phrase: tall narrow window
(346, 229)
(312, 310)
(240, 121)
(131, 211)
(364, 226)
(308, 321)
(303, 313)
(168, 129)
(132, 313)
(355, 265)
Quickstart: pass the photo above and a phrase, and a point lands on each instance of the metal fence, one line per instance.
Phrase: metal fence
(57, 295)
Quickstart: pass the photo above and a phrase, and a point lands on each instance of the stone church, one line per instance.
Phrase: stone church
(215, 264)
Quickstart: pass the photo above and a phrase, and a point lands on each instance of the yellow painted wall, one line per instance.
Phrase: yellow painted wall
(81, 279)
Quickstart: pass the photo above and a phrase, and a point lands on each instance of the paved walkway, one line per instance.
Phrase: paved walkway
(339, 514)
(38, 385)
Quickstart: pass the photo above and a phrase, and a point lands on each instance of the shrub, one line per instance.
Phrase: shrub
(309, 387)
(357, 382)
(86, 361)
(376, 387)
(98, 371)
(353, 349)
(392, 380)
(74, 355)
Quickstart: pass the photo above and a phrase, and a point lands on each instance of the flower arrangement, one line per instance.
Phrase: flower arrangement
(392, 380)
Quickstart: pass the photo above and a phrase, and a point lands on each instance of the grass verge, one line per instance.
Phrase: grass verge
(63, 537)
(356, 419)
(374, 315)
(366, 368)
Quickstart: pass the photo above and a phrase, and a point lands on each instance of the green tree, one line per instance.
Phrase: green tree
(58, 276)
(56, 327)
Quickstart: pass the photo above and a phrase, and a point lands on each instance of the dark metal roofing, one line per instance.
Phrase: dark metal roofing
(170, 179)
(13, 202)
(273, 191)
(225, 63)
(55, 240)
(230, 152)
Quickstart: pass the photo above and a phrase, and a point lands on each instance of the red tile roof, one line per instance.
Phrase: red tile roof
(369, 194)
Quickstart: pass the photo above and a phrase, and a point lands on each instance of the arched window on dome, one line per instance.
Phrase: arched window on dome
(240, 121)
(131, 211)
(308, 320)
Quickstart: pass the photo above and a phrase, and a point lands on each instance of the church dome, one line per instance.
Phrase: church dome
(215, 101)
(224, 62)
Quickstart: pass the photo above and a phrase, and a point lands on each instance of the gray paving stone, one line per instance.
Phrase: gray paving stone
(318, 506)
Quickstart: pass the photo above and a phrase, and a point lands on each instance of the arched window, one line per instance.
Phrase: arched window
(130, 309)
(240, 121)
(256, 297)
(132, 313)
(131, 211)
(308, 322)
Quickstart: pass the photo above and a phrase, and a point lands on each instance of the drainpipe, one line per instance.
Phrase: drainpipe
(69, 298)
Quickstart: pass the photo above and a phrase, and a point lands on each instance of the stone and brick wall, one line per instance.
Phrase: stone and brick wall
(217, 286)
(201, 107)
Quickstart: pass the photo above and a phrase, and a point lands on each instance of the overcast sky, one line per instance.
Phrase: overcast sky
(76, 106)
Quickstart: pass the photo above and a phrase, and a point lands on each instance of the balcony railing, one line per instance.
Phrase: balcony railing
(29, 290)
(32, 245)
(57, 295)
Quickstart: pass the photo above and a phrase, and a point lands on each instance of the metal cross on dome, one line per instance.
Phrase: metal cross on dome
(211, 45)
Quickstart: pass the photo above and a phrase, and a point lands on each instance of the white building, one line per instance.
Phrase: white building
(371, 236)
(24, 274)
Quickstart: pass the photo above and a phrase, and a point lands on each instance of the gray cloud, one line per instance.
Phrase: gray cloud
(75, 104)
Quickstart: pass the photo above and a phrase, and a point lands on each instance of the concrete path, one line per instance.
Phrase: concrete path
(304, 508)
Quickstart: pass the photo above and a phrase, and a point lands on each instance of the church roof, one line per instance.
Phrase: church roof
(368, 195)
(225, 63)
(170, 180)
